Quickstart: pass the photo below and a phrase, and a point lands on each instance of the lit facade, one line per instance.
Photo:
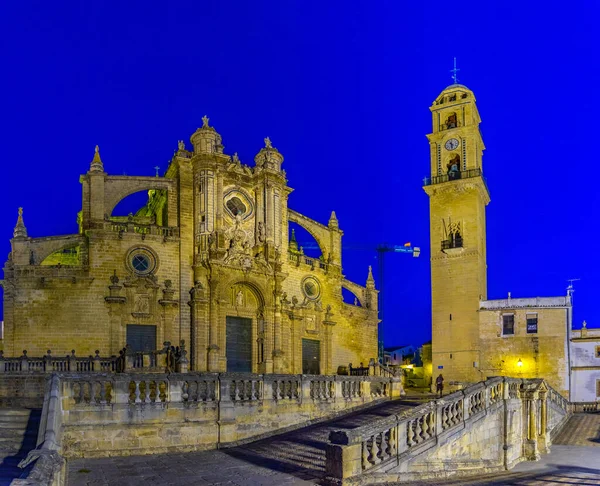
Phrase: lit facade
(207, 261)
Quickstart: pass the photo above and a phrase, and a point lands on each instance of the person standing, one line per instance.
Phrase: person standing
(439, 384)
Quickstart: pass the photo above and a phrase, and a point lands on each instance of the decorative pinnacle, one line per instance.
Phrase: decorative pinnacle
(96, 165)
(454, 72)
(268, 143)
(156, 167)
(584, 325)
(205, 121)
(20, 231)
(333, 221)
(293, 242)
(370, 279)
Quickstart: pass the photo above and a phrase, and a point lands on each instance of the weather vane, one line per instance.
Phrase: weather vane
(454, 72)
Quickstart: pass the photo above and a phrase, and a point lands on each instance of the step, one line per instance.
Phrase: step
(12, 412)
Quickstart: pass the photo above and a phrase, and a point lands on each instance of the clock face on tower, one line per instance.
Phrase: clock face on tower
(451, 144)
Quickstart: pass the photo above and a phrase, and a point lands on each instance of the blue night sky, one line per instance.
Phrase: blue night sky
(343, 90)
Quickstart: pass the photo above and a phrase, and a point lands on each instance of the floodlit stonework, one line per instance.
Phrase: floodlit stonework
(208, 261)
(472, 337)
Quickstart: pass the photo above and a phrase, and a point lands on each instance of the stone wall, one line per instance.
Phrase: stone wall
(22, 390)
(126, 414)
(542, 354)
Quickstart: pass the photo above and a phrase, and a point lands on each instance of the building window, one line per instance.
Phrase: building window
(508, 324)
(597, 388)
(532, 324)
(142, 261)
(597, 351)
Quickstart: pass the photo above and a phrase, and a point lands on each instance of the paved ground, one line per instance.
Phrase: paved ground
(574, 459)
(565, 465)
(294, 458)
(583, 429)
(299, 458)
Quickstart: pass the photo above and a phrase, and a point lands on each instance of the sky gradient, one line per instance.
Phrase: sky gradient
(343, 90)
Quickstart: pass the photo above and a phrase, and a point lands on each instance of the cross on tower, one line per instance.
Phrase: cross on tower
(454, 72)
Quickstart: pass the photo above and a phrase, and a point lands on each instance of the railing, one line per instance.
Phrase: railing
(586, 407)
(452, 176)
(142, 229)
(394, 439)
(298, 258)
(157, 361)
(449, 244)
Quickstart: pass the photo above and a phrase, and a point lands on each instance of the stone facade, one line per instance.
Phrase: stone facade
(467, 339)
(526, 338)
(209, 252)
(585, 371)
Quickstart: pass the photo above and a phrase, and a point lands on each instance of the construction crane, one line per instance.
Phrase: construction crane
(381, 250)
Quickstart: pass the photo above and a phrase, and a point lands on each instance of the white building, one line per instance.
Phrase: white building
(585, 364)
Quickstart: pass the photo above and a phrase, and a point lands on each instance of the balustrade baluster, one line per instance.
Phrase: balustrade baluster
(410, 434)
(393, 441)
(102, 393)
(365, 455)
(137, 392)
(376, 450)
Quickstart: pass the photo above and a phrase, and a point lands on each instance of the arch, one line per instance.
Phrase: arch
(130, 204)
(119, 187)
(225, 286)
(451, 120)
(318, 231)
(349, 297)
(67, 255)
(354, 289)
(43, 247)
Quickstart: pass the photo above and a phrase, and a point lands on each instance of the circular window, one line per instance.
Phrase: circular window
(142, 261)
(311, 288)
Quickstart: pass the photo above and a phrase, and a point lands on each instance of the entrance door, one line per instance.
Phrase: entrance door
(239, 344)
(311, 357)
(141, 338)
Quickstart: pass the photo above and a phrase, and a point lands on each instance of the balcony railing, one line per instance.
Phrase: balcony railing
(453, 176)
(457, 242)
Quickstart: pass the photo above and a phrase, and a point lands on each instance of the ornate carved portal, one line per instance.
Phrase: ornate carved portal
(243, 330)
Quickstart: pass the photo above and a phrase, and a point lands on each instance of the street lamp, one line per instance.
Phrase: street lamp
(520, 363)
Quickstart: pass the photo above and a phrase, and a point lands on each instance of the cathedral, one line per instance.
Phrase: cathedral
(472, 337)
(208, 262)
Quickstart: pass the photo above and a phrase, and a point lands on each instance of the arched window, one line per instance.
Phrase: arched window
(451, 121)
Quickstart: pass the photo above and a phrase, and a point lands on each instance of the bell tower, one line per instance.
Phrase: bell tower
(458, 196)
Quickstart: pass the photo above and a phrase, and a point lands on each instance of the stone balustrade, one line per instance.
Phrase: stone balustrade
(107, 413)
(402, 443)
(121, 227)
(149, 361)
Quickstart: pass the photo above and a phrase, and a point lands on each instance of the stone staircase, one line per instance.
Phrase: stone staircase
(302, 452)
(18, 435)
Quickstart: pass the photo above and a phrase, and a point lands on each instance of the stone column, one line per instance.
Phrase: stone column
(213, 347)
(328, 326)
(531, 450)
(277, 338)
(531, 435)
(543, 439)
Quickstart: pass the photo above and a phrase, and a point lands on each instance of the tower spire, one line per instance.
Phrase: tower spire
(454, 72)
(96, 165)
(20, 230)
